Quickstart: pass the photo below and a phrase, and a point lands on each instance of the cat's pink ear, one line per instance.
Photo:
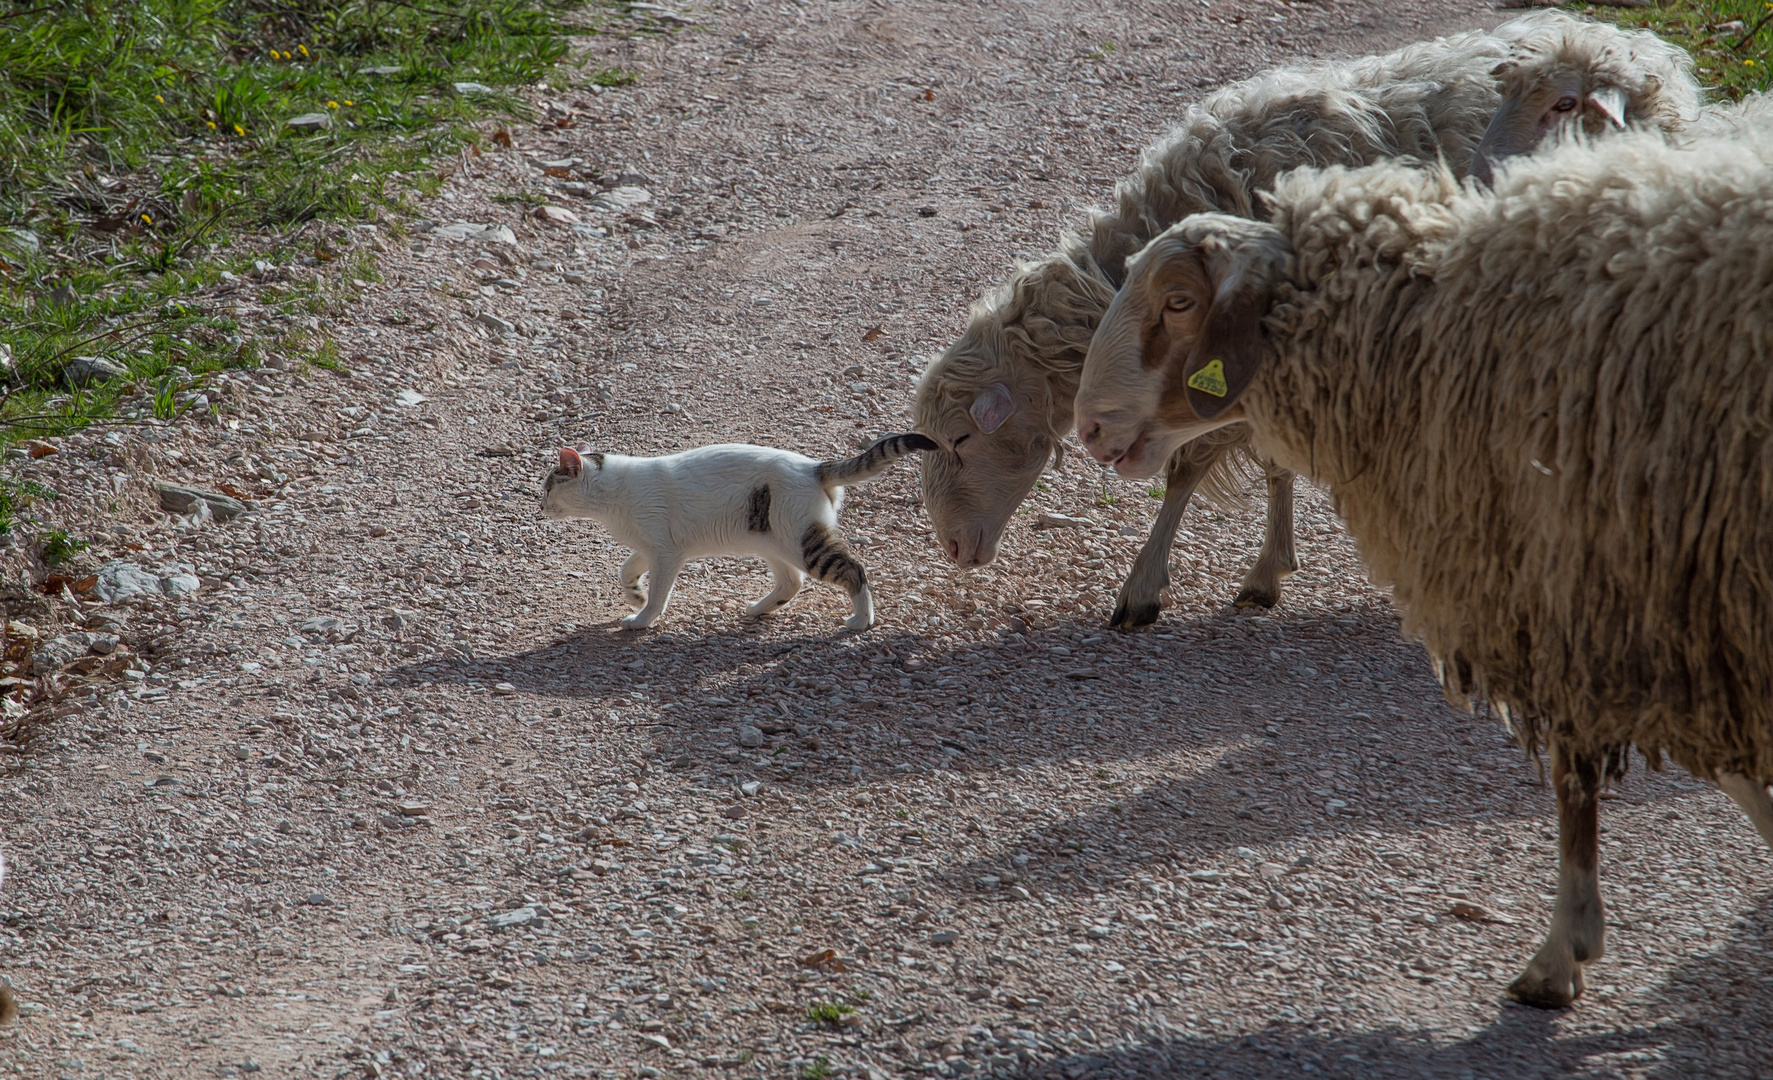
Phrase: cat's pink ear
(570, 462)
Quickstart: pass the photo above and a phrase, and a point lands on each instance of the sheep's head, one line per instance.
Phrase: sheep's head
(1181, 341)
(993, 424)
(1565, 75)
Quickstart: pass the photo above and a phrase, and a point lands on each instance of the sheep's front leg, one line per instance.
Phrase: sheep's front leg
(1578, 925)
(1140, 595)
(1752, 796)
(1261, 587)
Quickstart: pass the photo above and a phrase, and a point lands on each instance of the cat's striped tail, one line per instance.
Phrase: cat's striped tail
(872, 461)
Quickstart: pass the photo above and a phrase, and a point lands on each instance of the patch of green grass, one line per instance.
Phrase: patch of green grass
(141, 140)
(820, 1069)
(1156, 492)
(59, 547)
(830, 1012)
(1731, 40)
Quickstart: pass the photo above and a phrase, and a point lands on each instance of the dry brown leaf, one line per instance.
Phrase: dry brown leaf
(872, 332)
(1477, 913)
(502, 137)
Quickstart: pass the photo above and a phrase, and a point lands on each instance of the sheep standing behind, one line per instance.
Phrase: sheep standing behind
(1000, 399)
(1546, 414)
(1578, 75)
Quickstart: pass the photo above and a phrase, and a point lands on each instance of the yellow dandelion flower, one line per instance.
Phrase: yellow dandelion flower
(349, 104)
(332, 104)
(238, 130)
(147, 220)
(211, 124)
(160, 99)
(303, 48)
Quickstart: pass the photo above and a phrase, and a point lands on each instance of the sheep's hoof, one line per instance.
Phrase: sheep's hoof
(1544, 986)
(1131, 615)
(1254, 596)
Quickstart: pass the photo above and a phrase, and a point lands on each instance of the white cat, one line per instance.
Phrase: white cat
(724, 500)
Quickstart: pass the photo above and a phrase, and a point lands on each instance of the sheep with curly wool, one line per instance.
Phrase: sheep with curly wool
(1571, 74)
(1545, 412)
(999, 400)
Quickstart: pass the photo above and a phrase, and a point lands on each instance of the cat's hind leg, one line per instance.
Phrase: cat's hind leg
(787, 578)
(631, 571)
(828, 558)
(661, 576)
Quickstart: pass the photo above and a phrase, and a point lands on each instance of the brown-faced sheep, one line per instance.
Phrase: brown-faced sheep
(1546, 414)
(1000, 399)
(1572, 74)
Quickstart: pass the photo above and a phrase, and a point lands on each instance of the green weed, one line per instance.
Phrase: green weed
(830, 1012)
(820, 1069)
(1731, 40)
(17, 496)
(614, 76)
(59, 547)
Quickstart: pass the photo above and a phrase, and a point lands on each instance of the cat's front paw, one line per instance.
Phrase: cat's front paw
(637, 621)
(859, 621)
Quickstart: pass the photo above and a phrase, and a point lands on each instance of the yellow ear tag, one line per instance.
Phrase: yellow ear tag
(1210, 379)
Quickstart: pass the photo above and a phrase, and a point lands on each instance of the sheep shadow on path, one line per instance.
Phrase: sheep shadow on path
(1251, 729)
(1713, 1015)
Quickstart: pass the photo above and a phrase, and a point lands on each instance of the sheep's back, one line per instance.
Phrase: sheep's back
(1429, 100)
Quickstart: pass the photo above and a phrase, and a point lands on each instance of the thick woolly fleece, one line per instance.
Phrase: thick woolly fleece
(1546, 413)
(1430, 100)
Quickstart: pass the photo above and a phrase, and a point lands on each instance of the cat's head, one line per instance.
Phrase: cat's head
(570, 489)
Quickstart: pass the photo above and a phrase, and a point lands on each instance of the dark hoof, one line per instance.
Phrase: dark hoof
(1132, 616)
(1255, 598)
(1543, 993)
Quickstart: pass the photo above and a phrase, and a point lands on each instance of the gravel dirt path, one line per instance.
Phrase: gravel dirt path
(395, 798)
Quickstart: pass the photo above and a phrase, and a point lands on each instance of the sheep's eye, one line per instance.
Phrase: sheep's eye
(1178, 302)
(1565, 104)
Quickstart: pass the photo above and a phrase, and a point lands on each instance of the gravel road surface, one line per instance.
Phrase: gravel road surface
(390, 795)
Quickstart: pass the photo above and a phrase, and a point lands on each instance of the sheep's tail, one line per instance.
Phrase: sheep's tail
(871, 462)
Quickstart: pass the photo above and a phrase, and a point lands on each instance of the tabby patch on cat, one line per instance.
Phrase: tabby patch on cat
(724, 500)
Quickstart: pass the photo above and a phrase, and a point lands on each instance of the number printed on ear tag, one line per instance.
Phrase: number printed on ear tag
(1210, 379)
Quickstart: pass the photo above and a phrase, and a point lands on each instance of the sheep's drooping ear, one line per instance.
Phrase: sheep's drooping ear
(1229, 348)
(1610, 100)
(571, 464)
(991, 408)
